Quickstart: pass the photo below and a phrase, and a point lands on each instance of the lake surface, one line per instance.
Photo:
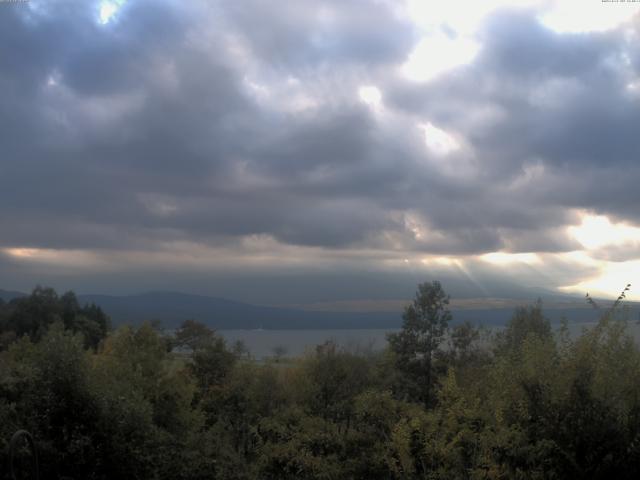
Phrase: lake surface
(261, 343)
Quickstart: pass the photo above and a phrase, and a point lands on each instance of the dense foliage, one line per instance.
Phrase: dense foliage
(442, 402)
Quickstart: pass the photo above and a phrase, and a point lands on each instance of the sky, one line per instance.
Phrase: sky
(320, 151)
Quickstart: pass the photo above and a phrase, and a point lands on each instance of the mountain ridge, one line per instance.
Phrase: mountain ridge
(171, 308)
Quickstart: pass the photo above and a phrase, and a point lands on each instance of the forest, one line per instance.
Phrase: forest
(444, 400)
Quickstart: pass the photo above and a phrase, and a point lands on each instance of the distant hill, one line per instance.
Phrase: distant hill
(8, 295)
(171, 308)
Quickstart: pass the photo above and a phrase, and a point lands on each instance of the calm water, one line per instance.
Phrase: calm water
(261, 343)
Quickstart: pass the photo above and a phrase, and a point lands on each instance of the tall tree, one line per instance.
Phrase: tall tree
(425, 323)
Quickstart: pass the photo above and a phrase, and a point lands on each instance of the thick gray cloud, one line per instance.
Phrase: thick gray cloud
(534, 97)
(210, 122)
(327, 32)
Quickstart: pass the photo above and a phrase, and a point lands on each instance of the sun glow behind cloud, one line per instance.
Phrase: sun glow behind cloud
(502, 258)
(597, 231)
(611, 281)
(22, 252)
(576, 16)
(594, 233)
(597, 234)
(65, 259)
(436, 54)
(437, 140)
(371, 95)
(460, 15)
(562, 16)
(108, 10)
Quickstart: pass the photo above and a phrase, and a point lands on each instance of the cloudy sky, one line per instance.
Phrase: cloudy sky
(324, 150)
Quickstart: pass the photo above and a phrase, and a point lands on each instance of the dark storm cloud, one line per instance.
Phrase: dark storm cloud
(152, 129)
(186, 121)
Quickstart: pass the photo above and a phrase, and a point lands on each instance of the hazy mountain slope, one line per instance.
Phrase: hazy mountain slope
(7, 295)
(171, 308)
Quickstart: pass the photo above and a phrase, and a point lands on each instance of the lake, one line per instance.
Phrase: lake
(261, 343)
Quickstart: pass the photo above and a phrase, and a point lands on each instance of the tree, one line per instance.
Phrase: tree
(529, 320)
(193, 335)
(34, 314)
(46, 386)
(279, 352)
(212, 363)
(333, 377)
(425, 323)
